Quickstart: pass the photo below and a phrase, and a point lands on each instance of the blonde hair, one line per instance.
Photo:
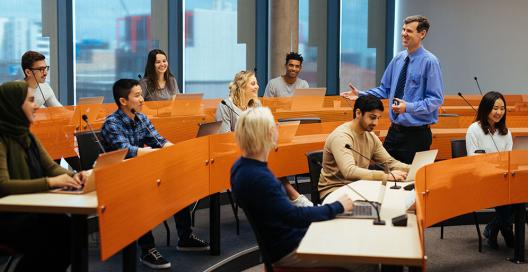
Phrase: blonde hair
(253, 130)
(237, 86)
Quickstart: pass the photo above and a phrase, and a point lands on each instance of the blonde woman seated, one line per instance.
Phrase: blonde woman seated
(243, 94)
(281, 225)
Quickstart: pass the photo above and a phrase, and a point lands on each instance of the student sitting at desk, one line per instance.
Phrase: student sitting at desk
(242, 90)
(158, 83)
(342, 164)
(281, 224)
(25, 167)
(490, 134)
(126, 129)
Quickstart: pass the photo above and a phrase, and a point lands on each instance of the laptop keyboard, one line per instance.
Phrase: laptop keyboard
(362, 209)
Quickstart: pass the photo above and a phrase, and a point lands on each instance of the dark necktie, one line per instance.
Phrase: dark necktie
(401, 80)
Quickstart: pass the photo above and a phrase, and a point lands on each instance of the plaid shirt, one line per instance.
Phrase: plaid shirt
(119, 132)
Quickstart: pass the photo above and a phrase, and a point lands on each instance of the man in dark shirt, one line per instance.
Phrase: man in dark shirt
(281, 224)
(128, 128)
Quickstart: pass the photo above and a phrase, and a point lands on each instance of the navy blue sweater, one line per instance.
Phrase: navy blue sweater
(281, 224)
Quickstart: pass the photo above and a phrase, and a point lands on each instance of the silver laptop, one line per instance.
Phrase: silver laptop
(520, 143)
(208, 128)
(421, 159)
(308, 98)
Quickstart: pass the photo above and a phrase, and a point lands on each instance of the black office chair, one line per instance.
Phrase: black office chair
(458, 149)
(302, 120)
(89, 150)
(315, 161)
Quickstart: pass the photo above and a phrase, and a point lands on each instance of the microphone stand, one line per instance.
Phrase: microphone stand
(377, 220)
(383, 166)
(85, 119)
(478, 85)
(133, 111)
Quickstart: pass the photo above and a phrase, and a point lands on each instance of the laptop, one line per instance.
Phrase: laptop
(520, 143)
(421, 159)
(88, 106)
(371, 190)
(208, 128)
(104, 159)
(287, 131)
(308, 98)
(186, 104)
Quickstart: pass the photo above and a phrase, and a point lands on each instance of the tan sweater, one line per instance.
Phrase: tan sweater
(343, 165)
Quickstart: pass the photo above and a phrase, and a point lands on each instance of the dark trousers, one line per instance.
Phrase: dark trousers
(403, 142)
(42, 239)
(183, 226)
(503, 219)
(74, 162)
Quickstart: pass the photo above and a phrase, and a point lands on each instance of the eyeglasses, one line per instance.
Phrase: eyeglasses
(41, 69)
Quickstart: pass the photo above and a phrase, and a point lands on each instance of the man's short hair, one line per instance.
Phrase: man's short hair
(294, 56)
(122, 88)
(366, 103)
(423, 22)
(253, 130)
(29, 58)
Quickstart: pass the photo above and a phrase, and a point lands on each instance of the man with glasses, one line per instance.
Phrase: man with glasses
(35, 72)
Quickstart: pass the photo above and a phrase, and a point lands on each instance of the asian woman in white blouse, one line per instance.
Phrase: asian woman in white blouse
(489, 134)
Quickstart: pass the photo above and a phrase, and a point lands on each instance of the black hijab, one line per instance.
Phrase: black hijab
(14, 132)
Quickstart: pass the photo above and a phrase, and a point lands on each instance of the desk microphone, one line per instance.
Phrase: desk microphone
(229, 107)
(133, 111)
(383, 166)
(478, 85)
(376, 221)
(40, 89)
(85, 119)
(467, 102)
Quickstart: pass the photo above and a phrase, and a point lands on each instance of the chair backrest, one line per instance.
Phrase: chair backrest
(88, 148)
(458, 148)
(315, 161)
(264, 252)
(302, 120)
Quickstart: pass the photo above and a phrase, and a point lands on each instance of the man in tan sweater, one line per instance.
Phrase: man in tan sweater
(341, 164)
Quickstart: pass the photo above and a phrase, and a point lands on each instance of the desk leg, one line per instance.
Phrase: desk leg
(79, 237)
(214, 223)
(130, 257)
(520, 220)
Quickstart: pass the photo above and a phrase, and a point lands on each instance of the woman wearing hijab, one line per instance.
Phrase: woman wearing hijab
(25, 167)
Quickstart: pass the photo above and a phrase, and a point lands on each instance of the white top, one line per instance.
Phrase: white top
(49, 95)
(476, 139)
(277, 87)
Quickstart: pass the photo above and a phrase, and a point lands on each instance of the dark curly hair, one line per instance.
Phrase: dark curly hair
(294, 56)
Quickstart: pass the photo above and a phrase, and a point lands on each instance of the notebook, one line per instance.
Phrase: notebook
(373, 191)
(103, 160)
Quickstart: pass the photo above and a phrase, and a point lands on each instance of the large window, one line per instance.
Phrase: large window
(358, 60)
(214, 48)
(112, 40)
(20, 31)
(312, 41)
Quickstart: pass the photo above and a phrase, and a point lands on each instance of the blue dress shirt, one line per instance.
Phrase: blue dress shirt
(119, 132)
(423, 92)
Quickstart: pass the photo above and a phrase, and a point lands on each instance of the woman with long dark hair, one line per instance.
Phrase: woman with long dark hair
(25, 167)
(158, 83)
(489, 134)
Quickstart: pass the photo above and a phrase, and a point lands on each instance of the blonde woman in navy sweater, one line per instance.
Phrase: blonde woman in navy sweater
(281, 224)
